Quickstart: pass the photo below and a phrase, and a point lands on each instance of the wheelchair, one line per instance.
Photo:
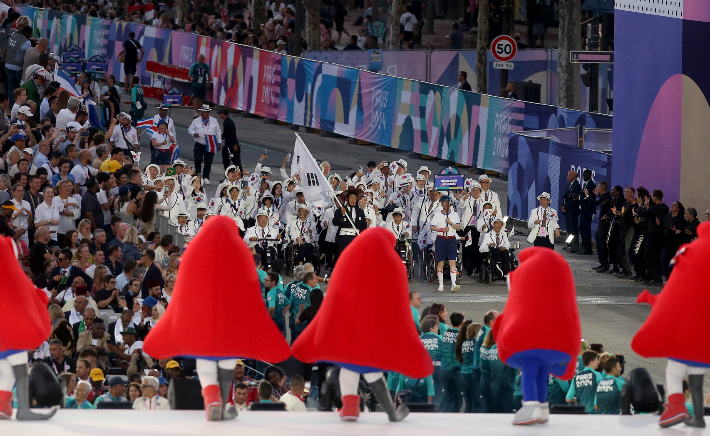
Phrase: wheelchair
(491, 271)
(403, 246)
(291, 252)
(429, 264)
(268, 249)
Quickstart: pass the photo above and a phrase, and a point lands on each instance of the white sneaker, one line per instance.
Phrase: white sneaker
(455, 288)
(207, 181)
(528, 414)
(441, 288)
(544, 412)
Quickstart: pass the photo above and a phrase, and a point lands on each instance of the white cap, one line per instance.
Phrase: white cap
(424, 168)
(28, 150)
(297, 190)
(179, 162)
(483, 177)
(497, 218)
(266, 195)
(183, 213)
(124, 115)
(25, 110)
(402, 163)
(304, 206)
(265, 170)
(544, 195)
(404, 180)
(335, 176)
(205, 108)
(421, 177)
(262, 212)
(398, 210)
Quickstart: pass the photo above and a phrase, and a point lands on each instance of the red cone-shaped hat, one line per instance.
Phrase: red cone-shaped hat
(542, 298)
(369, 290)
(217, 310)
(25, 324)
(677, 325)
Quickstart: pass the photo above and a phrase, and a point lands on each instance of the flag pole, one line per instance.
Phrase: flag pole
(330, 190)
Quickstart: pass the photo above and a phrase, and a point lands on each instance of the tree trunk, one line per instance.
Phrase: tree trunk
(313, 24)
(567, 72)
(393, 24)
(482, 47)
(184, 13)
(259, 16)
(430, 11)
(298, 29)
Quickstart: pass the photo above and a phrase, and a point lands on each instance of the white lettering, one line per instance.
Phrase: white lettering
(582, 380)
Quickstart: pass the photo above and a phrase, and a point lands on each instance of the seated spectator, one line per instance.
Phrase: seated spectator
(97, 382)
(116, 392)
(83, 370)
(96, 337)
(57, 360)
(294, 397)
(241, 392)
(108, 297)
(265, 392)
(150, 399)
(133, 392)
(608, 399)
(81, 395)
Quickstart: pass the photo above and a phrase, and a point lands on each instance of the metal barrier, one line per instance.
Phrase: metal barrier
(164, 227)
(597, 139)
(565, 135)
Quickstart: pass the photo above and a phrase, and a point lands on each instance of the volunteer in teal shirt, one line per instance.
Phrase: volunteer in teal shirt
(608, 399)
(276, 301)
(301, 294)
(422, 389)
(450, 366)
(432, 342)
(288, 291)
(556, 390)
(465, 353)
(414, 302)
(497, 379)
(584, 384)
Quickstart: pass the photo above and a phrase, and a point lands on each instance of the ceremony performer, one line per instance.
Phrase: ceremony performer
(685, 298)
(543, 223)
(536, 305)
(388, 303)
(445, 223)
(349, 218)
(207, 276)
(23, 328)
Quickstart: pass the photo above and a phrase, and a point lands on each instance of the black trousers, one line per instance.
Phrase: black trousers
(201, 155)
(572, 222)
(231, 158)
(341, 243)
(636, 252)
(585, 232)
(502, 257)
(543, 241)
(602, 238)
(652, 255)
(304, 252)
(613, 244)
(471, 256)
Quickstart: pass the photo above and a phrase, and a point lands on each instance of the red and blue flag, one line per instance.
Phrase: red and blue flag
(212, 144)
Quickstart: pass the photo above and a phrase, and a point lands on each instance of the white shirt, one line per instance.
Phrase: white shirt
(44, 213)
(260, 233)
(63, 117)
(497, 239)
(493, 198)
(81, 173)
(66, 223)
(408, 20)
(162, 140)
(21, 221)
(155, 403)
(403, 228)
(293, 403)
(171, 124)
(439, 221)
(103, 199)
(203, 131)
(117, 137)
(547, 226)
(302, 229)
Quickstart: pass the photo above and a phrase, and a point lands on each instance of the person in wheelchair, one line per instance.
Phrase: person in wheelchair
(302, 234)
(401, 230)
(263, 238)
(497, 245)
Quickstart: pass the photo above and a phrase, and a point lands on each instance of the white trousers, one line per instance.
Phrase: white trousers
(675, 372)
(207, 370)
(349, 380)
(7, 377)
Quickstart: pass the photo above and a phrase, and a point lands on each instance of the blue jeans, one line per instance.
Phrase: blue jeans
(452, 391)
(280, 322)
(292, 327)
(13, 82)
(438, 378)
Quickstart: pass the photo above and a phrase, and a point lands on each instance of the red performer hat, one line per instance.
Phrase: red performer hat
(369, 274)
(26, 325)
(541, 312)
(677, 325)
(217, 309)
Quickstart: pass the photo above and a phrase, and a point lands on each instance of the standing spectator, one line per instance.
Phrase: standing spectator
(674, 235)
(67, 114)
(463, 81)
(90, 206)
(691, 228)
(606, 218)
(130, 50)
(570, 207)
(33, 53)
(408, 20)
(446, 223)
(7, 28)
(654, 214)
(456, 37)
(200, 76)
(201, 128)
(153, 272)
(231, 151)
(35, 86)
(587, 208)
(16, 48)
(124, 137)
(22, 217)
(465, 354)
(624, 215)
(137, 100)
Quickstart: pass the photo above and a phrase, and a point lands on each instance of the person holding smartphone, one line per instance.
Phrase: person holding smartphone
(161, 141)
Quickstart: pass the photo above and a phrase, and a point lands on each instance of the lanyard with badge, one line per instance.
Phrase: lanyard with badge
(201, 71)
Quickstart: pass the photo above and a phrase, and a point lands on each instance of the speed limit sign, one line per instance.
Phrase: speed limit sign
(504, 48)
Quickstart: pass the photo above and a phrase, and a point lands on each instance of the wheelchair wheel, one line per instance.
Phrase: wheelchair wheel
(489, 277)
(409, 262)
(288, 258)
(430, 267)
(482, 274)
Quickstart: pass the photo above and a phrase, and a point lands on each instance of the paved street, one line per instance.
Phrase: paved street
(606, 304)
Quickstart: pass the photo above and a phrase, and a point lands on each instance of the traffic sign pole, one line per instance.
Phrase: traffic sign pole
(504, 50)
(507, 18)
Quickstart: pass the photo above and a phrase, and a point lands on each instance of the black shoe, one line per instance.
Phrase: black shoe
(616, 271)
(601, 267)
(586, 253)
(640, 279)
(603, 270)
(695, 382)
(654, 283)
(379, 388)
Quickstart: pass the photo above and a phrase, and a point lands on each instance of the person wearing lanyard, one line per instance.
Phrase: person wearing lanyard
(350, 220)
(543, 222)
(201, 128)
(445, 224)
(496, 242)
(161, 141)
(301, 233)
(200, 76)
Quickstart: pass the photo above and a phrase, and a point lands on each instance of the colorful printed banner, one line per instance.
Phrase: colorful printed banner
(411, 64)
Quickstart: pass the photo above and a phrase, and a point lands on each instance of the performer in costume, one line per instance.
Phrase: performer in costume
(346, 231)
(370, 252)
(534, 306)
(23, 328)
(685, 299)
(205, 287)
